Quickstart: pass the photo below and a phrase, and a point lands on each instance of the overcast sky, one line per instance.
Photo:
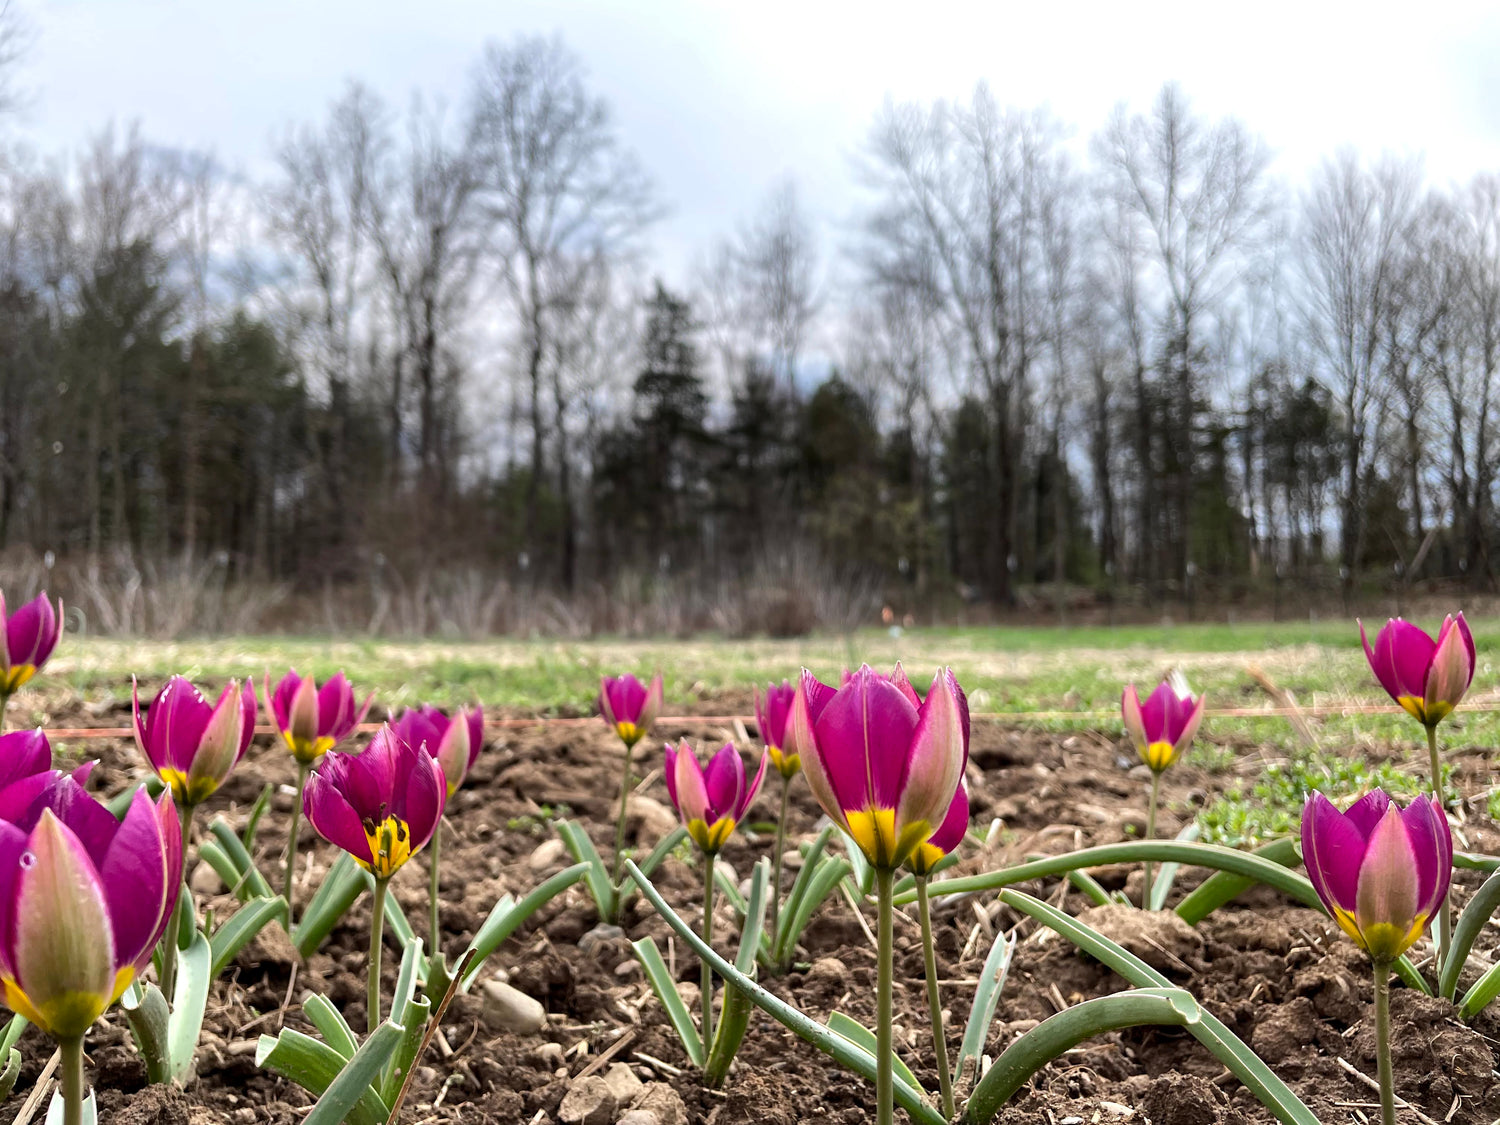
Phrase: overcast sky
(722, 101)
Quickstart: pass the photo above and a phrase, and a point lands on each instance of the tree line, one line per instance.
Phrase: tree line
(1130, 368)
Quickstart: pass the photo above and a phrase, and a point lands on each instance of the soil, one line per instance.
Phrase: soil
(1281, 976)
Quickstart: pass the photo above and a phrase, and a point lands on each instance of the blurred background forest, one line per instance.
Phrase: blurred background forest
(424, 379)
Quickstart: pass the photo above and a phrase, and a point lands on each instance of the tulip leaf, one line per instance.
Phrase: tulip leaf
(406, 978)
(909, 881)
(725, 884)
(729, 1033)
(331, 1024)
(1223, 887)
(414, 1020)
(804, 1027)
(242, 927)
(257, 810)
(986, 1000)
(863, 874)
(119, 805)
(660, 980)
(1481, 993)
(355, 1080)
(830, 873)
(755, 918)
(189, 998)
(1092, 889)
(56, 1110)
(1475, 914)
(12, 1033)
(582, 849)
(1161, 886)
(665, 847)
(1470, 861)
(315, 1067)
(863, 1038)
(501, 923)
(252, 884)
(146, 1011)
(11, 1072)
(331, 901)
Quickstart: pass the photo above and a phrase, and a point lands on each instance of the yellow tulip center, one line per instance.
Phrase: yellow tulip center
(390, 846)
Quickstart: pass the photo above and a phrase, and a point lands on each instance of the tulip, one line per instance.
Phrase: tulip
(1162, 729)
(311, 722)
(455, 744)
(24, 754)
(27, 638)
(629, 708)
(710, 801)
(771, 713)
(1382, 872)
(1427, 678)
(885, 767)
(84, 899)
(381, 806)
(191, 744)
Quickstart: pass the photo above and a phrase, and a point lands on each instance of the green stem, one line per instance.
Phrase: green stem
(706, 985)
(1150, 834)
(377, 924)
(614, 901)
(432, 891)
(1383, 1042)
(1445, 911)
(4, 706)
(174, 928)
(934, 1001)
(291, 846)
(885, 1091)
(786, 792)
(70, 1068)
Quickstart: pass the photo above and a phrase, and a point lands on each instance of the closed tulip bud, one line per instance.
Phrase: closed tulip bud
(1381, 871)
(191, 744)
(710, 800)
(84, 899)
(27, 638)
(771, 713)
(1163, 727)
(312, 721)
(628, 706)
(1426, 677)
(882, 766)
(455, 742)
(381, 805)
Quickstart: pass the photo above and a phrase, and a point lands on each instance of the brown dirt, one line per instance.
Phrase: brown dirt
(1277, 974)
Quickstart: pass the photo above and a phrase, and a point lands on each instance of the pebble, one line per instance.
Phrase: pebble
(638, 1117)
(623, 1083)
(548, 854)
(509, 1009)
(589, 1101)
(663, 1104)
(206, 881)
(600, 936)
(828, 971)
(551, 1054)
(655, 820)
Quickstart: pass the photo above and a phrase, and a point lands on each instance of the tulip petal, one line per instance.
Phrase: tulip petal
(23, 753)
(724, 781)
(1130, 713)
(902, 684)
(1432, 843)
(1380, 660)
(329, 811)
(135, 879)
(802, 741)
(1367, 812)
(753, 789)
(1332, 850)
(690, 787)
(1387, 904)
(863, 741)
(1451, 670)
(939, 752)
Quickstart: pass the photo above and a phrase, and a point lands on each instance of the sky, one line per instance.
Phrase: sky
(725, 101)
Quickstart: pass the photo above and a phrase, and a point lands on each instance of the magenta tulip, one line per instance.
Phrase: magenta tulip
(771, 713)
(710, 800)
(1427, 677)
(84, 899)
(313, 721)
(1381, 871)
(1163, 727)
(380, 805)
(884, 767)
(191, 744)
(949, 835)
(455, 742)
(27, 638)
(628, 706)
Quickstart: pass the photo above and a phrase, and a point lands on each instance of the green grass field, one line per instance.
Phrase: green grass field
(1008, 670)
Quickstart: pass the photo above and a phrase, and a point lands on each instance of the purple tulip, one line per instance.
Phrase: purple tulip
(884, 766)
(1381, 871)
(628, 706)
(1162, 727)
(710, 800)
(380, 805)
(27, 638)
(771, 713)
(1427, 677)
(312, 721)
(84, 899)
(191, 744)
(949, 835)
(455, 742)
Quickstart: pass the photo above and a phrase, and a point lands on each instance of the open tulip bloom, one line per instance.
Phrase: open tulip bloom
(772, 710)
(1383, 873)
(629, 707)
(1162, 729)
(27, 638)
(885, 766)
(311, 722)
(194, 745)
(84, 899)
(710, 800)
(455, 744)
(381, 805)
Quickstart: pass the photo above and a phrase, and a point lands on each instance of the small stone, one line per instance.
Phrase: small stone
(206, 881)
(600, 936)
(551, 1055)
(548, 854)
(623, 1083)
(662, 1102)
(638, 1117)
(652, 819)
(627, 968)
(588, 1101)
(509, 1009)
(827, 971)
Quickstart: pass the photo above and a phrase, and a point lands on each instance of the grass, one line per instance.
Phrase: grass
(1012, 670)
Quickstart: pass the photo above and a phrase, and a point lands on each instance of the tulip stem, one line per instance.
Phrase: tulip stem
(174, 929)
(432, 889)
(614, 902)
(934, 1001)
(291, 846)
(377, 925)
(885, 1100)
(1383, 1042)
(1445, 911)
(1150, 835)
(70, 1066)
(786, 792)
(707, 979)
